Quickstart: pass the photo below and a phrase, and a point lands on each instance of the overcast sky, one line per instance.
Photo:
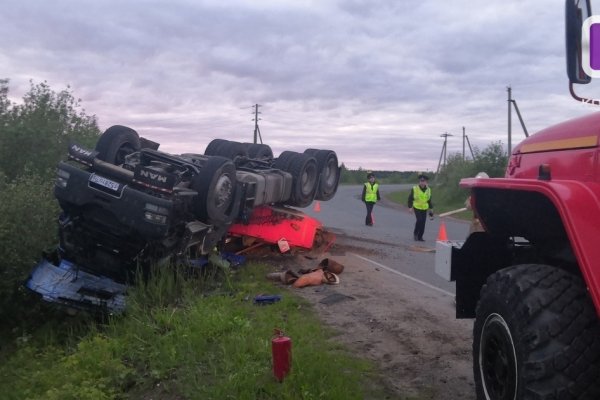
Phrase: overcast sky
(378, 81)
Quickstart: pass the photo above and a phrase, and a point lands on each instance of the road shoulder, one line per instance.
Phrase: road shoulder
(409, 330)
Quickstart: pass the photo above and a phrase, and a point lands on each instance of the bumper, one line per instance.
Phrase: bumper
(443, 258)
(65, 284)
(126, 205)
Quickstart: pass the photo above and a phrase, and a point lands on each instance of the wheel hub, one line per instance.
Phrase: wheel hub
(223, 190)
(497, 360)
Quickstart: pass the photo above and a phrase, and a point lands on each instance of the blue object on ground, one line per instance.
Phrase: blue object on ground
(263, 299)
(234, 259)
(199, 262)
(66, 284)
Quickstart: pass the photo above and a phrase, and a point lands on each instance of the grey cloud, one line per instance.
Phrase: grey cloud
(372, 79)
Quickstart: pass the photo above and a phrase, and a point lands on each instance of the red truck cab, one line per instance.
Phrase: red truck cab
(531, 278)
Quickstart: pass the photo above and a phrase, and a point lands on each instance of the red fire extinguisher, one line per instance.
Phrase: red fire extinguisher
(281, 347)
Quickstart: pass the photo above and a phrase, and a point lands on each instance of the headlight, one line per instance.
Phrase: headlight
(155, 213)
(62, 178)
(156, 218)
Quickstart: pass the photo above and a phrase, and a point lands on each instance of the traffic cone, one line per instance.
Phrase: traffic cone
(317, 206)
(442, 236)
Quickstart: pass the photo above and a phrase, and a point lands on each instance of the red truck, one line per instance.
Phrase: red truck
(531, 279)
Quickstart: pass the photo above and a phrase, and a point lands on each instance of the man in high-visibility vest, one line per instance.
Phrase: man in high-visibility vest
(370, 196)
(419, 201)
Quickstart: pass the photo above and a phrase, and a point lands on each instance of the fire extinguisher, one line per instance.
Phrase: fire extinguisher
(281, 347)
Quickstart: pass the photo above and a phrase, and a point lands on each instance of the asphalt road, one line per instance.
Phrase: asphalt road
(389, 243)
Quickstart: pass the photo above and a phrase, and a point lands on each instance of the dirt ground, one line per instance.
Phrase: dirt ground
(407, 329)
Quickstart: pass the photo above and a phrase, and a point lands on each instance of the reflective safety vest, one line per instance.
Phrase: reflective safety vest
(371, 192)
(421, 198)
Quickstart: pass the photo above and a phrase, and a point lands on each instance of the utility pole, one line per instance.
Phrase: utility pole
(463, 143)
(509, 90)
(443, 153)
(256, 128)
(513, 102)
(470, 148)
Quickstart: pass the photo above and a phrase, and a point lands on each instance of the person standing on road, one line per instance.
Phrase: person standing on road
(370, 196)
(419, 200)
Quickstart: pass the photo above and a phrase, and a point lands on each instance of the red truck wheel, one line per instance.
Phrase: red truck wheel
(536, 336)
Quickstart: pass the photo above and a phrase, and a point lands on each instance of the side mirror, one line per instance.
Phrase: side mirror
(576, 11)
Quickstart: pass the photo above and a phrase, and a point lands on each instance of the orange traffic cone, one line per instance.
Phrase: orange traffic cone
(317, 206)
(442, 236)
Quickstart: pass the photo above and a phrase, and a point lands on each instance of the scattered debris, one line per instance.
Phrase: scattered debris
(264, 299)
(335, 298)
(287, 277)
(331, 265)
(68, 285)
(326, 272)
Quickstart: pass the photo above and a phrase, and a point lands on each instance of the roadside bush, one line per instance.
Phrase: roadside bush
(448, 191)
(492, 160)
(34, 135)
(27, 226)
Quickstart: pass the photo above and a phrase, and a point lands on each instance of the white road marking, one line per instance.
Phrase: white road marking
(404, 275)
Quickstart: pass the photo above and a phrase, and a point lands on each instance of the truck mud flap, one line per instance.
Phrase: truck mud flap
(67, 285)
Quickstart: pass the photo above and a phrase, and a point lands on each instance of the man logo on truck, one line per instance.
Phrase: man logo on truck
(153, 176)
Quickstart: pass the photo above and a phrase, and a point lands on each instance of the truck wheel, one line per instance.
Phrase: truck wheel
(117, 142)
(216, 189)
(258, 151)
(304, 179)
(536, 336)
(232, 150)
(211, 149)
(226, 148)
(283, 160)
(329, 173)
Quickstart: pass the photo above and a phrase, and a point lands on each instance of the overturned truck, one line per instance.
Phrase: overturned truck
(126, 205)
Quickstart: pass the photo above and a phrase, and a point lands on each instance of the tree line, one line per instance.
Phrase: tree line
(492, 160)
(34, 136)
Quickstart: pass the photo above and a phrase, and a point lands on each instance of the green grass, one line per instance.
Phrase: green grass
(440, 207)
(188, 339)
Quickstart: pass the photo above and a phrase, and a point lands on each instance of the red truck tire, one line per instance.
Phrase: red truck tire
(536, 336)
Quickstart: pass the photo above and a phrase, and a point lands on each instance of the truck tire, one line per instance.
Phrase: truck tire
(226, 148)
(304, 172)
(536, 336)
(283, 160)
(259, 151)
(117, 142)
(232, 150)
(211, 149)
(329, 173)
(215, 185)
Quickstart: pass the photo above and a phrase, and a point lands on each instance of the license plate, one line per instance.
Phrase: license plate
(107, 183)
